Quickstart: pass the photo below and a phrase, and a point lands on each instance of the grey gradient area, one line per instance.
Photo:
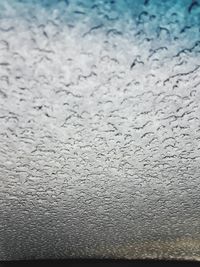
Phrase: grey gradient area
(99, 129)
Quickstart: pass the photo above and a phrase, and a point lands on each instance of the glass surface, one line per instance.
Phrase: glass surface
(99, 129)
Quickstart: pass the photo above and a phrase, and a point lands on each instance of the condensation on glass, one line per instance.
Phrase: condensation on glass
(99, 129)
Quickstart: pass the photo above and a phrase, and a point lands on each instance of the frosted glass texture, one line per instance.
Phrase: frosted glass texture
(99, 129)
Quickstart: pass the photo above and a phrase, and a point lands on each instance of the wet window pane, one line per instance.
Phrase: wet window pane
(99, 129)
